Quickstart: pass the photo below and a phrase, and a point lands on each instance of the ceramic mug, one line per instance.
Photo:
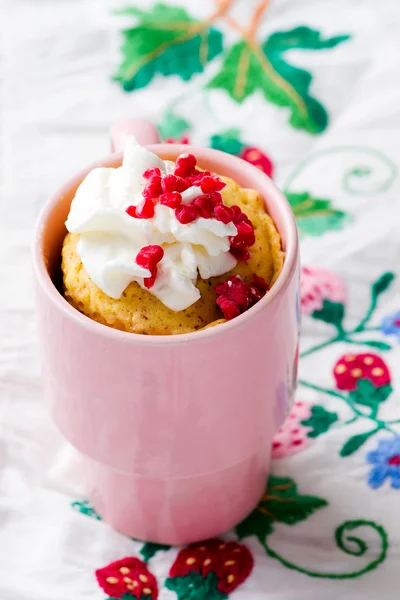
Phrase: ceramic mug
(175, 430)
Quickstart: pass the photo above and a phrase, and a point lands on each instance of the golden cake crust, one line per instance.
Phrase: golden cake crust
(138, 311)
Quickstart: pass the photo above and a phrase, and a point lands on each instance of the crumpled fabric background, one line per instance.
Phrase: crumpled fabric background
(339, 167)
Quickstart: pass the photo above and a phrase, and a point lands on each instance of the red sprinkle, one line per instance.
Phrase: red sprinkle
(245, 236)
(216, 198)
(171, 199)
(223, 213)
(204, 206)
(152, 189)
(145, 210)
(131, 211)
(152, 172)
(148, 258)
(229, 308)
(172, 183)
(211, 184)
(185, 165)
(235, 293)
(239, 216)
(240, 254)
(186, 214)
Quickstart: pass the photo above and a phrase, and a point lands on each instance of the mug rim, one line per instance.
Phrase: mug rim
(172, 150)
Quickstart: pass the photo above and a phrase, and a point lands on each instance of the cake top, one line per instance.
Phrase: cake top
(158, 223)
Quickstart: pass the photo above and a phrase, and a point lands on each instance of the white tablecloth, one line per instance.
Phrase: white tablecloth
(332, 137)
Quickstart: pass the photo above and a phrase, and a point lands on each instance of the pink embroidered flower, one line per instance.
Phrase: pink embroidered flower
(351, 368)
(292, 436)
(183, 140)
(317, 285)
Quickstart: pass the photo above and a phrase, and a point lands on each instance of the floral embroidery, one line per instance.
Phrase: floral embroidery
(292, 437)
(209, 570)
(230, 142)
(86, 509)
(323, 294)
(173, 127)
(283, 504)
(391, 325)
(320, 421)
(167, 41)
(351, 369)
(315, 216)
(128, 578)
(386, 461)
(250, 66)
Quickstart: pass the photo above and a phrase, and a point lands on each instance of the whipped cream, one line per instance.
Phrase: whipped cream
(110, 239)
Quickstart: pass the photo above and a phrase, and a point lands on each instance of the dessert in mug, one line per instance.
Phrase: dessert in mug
(159, 247)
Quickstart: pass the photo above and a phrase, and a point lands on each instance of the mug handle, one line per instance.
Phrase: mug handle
(144, 131)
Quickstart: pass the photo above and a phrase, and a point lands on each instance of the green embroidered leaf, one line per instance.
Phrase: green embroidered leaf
(247, 68)
(331, 312)
(377, 344)
(315, 216)
(281, 503)
(355, 442)
(195, 587)
(168, 41)
(367, 394)
(172, 125)
(229, 142)
(382, 284)
(320, 421)
(86, 509)
(150, 549)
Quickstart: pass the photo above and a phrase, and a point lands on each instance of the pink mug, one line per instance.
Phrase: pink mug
(175, 430)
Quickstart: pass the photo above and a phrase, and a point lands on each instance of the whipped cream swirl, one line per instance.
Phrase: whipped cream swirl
(110, 239)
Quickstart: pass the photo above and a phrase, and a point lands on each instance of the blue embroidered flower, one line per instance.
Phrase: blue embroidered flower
(391, 325)
(386, 461)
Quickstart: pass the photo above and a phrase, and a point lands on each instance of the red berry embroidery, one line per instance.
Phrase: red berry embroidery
(257, 158)
(185, 165)
(154, 171)
(186, 214)
(211, 184)
(145, 210)
(171, 199)
(223, 213)
(234, 296)
(350, 368)
(128, 576)
(230, 563)
(148, 258)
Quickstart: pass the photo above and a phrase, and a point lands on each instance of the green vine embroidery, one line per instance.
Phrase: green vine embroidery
(363, 380)
(166, 40)
(283, 504)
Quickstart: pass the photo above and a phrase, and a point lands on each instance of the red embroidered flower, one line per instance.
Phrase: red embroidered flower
(317, 285)
(229, 562)
(128, 576)
(351, 368)
(257, 158)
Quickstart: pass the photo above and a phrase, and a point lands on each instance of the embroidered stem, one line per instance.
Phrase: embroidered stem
(313, 349)
(378, 160)
(257, 18)
(359, 548)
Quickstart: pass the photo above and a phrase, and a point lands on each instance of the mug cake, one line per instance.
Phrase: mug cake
(160, 248)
